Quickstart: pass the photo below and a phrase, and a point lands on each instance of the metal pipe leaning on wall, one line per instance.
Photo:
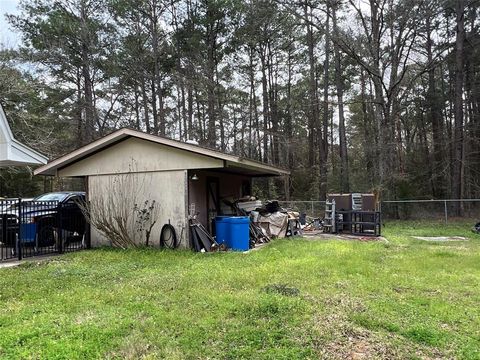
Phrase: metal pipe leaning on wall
(201, 239)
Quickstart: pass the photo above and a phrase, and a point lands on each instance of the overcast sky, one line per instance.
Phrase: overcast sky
(7, 37)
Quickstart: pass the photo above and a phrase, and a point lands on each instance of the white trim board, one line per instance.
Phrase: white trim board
(13, 152)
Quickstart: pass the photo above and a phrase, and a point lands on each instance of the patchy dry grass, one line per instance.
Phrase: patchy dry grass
(294, 299)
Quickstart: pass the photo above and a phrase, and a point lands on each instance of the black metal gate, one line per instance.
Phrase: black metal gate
(30, 228)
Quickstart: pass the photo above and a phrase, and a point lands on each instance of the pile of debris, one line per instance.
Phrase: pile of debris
(311, 224)
(267, 220)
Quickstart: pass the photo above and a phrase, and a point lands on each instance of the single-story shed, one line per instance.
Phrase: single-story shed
(182, 178)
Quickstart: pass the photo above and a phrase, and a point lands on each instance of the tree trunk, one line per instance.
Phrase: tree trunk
(137, 107)
(323, 140)
(87, 80)
(211, 67)
(145, 105)
(251, 100)
(79, 112)
(458, 166)
(266, 113)
(312, 89)
(344, 180)
(155, 80)
(435, 115)
(273, 96)
(367, 132)
(154, 104)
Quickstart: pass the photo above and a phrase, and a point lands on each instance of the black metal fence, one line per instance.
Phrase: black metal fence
(30, 228)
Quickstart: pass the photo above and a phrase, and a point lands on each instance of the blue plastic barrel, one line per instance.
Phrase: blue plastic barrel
(28, 233)
(238, 233)
(221, 229)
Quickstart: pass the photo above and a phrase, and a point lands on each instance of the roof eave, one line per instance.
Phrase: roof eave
(84, 151)
(32, 157)
(119, 135)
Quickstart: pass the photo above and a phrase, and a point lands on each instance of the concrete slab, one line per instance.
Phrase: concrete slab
(441, 238)
(12, 263)
(318, 235)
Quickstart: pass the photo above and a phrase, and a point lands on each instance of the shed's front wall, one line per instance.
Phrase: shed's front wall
(167, 188)
(136, 155)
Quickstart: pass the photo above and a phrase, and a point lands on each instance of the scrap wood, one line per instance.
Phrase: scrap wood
(293, 214)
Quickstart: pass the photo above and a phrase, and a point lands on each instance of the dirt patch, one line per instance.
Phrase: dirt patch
(441, 238)
(86, 317)
(360, 350)
(311, 235)
(358, 345)
(339, 338)
(134, 346)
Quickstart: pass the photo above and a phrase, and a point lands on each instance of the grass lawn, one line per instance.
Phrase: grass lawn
(402, 299)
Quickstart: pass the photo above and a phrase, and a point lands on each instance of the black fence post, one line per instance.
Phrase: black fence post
(19, 232)
(59, 229)
(4, 239)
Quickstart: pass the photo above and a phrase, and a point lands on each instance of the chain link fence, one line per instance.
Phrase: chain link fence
(315, 209)
(446, 209)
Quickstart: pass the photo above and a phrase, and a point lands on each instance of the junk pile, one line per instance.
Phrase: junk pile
(249, 222)
(267, 220)
(231, 232)
(311, 224)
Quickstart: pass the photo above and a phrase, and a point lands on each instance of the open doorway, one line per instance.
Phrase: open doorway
(213, 200)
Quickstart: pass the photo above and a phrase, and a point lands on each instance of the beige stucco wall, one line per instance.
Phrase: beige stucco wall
(136, 155)
(167, 188)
